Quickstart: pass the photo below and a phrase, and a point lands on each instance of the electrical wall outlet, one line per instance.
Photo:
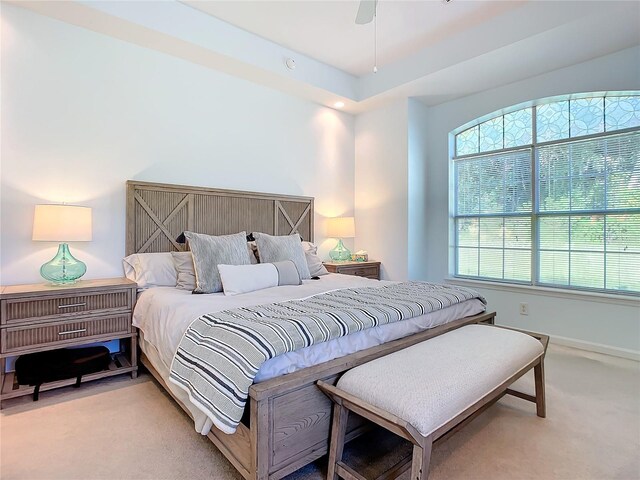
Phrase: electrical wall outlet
(524, 309)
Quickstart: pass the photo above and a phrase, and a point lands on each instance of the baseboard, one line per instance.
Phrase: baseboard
(596, 347)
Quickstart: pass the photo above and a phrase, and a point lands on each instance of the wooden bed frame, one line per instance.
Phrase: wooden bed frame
(289, 417)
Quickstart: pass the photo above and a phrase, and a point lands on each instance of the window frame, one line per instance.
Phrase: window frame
(535, 213)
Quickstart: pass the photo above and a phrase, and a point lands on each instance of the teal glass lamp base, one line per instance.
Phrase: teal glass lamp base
(340, 253)
(63, 269)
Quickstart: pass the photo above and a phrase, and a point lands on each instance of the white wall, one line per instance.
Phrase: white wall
(390, 187)
(586, 319)
(381, 187)
(83, 112)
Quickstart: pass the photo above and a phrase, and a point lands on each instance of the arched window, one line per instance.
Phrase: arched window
(550, 195)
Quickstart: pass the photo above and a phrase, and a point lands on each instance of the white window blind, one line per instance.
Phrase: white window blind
(562, 210)
(589, 213)
(493, 222)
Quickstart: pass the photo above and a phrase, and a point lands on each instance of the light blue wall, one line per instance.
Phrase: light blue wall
(418, 191)
(586, 319)
(619, 71)
(402, 168)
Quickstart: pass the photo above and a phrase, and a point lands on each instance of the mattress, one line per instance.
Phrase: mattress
(163, 314)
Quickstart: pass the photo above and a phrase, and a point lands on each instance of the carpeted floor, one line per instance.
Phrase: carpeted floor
(124, 429)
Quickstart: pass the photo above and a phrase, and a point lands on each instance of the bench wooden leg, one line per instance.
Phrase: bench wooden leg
(421, 460)
(338, 432)
(538, 372)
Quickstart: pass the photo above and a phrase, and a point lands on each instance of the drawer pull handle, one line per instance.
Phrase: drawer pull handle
(73, 305)
(69, 332)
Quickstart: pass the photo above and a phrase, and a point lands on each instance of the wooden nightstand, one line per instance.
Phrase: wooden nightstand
(359, 269)
(39, 317)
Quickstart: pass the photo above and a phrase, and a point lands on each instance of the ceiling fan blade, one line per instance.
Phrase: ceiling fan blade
(366, 11)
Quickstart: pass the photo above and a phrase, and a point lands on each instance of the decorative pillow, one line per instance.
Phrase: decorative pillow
(183, 263)
(251, 246)
(316, 268)
(238, 279)
(182, 239)
(209, 252)
(278, 249)
(150, 269)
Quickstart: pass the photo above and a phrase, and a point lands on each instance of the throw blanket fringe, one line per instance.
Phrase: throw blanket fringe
(221, 353)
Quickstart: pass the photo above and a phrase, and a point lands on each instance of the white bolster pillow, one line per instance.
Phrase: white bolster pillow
(237, 279)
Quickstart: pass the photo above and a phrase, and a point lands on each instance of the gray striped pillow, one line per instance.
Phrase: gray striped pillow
(210, 251)
(278, 249)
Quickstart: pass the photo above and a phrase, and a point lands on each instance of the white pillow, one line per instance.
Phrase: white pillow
(316, 268)
(150, 269)
(237, 279)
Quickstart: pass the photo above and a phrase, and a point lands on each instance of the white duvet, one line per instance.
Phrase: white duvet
(163, 314)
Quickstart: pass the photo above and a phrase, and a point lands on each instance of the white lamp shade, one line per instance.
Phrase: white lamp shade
(341, 227)
(62, 223)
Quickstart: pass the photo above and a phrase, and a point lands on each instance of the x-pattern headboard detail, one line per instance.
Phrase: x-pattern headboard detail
(158, 213)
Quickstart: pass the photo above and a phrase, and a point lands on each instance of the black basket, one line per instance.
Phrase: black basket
(38, 368)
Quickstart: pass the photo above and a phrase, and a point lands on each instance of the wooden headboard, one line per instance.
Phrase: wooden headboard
(158, 213)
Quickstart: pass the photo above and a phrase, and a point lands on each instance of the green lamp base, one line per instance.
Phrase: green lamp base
(340, 253)
(63, 269)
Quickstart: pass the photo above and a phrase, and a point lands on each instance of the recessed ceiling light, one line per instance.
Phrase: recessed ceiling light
(338, 104)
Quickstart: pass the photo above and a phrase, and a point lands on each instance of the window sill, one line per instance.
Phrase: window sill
(615, 299)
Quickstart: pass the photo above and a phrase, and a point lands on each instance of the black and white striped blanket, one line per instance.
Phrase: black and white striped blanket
(221, 353)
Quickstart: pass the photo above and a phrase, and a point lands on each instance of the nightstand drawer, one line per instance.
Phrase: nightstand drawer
(16, 339)
(360, 271)
(63, 306)
(369, 269)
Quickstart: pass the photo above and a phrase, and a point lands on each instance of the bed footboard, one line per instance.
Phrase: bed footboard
(291, 417)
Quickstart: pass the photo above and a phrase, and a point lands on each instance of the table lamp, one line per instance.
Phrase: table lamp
(62, 223)
(341, 227)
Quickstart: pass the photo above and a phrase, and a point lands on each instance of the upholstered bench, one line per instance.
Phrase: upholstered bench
(431, 389)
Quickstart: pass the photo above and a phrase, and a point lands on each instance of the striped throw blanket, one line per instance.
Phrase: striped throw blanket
(221, 353)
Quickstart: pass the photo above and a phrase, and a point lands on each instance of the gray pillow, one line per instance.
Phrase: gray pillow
(288, 274)
(278, 249)
(210, 251)
(183, 261)
(316, 268)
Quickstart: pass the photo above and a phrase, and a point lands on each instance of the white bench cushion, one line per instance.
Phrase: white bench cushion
(432, 382)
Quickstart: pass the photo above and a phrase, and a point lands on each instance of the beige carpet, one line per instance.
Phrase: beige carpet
(124, 429)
